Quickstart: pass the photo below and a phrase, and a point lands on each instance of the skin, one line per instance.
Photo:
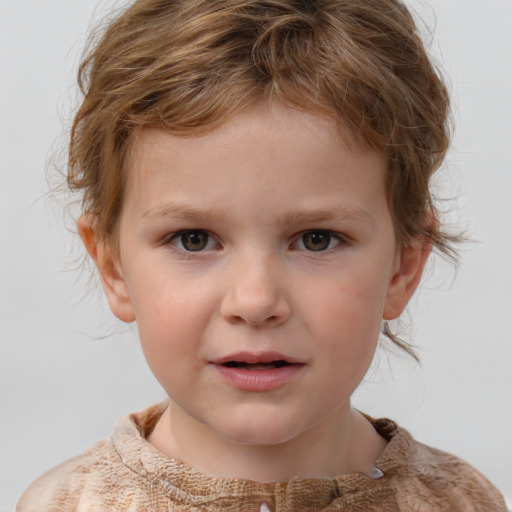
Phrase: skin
(254, 190)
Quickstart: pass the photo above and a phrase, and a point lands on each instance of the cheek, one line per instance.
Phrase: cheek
(352, 335)
(171, 320)
(168, 344)
(346, 318)
(350, 307)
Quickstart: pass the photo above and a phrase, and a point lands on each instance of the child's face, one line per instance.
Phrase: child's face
(266, 239)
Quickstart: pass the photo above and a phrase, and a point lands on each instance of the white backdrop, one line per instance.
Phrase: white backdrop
(68, 371)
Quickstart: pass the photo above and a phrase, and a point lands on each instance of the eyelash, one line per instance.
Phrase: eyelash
(176, 240)
(178, 236)
(340, 239)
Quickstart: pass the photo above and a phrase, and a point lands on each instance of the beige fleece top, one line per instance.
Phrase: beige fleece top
(126, 473)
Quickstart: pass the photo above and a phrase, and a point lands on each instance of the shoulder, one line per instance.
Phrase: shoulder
(425, 479)
(83, 481)
(115, 474)
(442, 480)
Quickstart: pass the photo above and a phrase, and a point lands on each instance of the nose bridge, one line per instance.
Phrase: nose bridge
(256, 292)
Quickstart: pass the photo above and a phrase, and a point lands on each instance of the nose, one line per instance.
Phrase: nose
(256, 293)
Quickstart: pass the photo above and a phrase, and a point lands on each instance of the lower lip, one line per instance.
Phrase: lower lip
(258, 380)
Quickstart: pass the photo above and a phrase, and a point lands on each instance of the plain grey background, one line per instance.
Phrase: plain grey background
(68, 370)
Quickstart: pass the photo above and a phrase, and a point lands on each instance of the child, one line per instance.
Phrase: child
(255, 180)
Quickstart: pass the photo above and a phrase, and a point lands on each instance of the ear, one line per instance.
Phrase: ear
(109, 268)
(406, 276)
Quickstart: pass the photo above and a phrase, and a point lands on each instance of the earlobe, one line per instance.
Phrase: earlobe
(109, 267)
(406, 277)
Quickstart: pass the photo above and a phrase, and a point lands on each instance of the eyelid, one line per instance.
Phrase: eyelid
(174, 240)
(340, 237)
(176, 236)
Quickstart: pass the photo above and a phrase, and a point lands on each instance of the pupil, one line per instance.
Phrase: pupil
(316, 241)
(194, 240)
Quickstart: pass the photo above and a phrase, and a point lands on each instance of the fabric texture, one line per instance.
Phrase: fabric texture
(126, 473)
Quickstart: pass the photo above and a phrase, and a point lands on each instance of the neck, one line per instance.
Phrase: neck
(344, 443)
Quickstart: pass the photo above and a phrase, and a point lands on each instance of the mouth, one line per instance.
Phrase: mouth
(256, 361)
(242, 365)
(263, 372)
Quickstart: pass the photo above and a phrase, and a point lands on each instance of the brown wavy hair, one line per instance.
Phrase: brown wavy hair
(186, 66)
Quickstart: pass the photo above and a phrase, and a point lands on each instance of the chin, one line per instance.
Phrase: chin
(265, 430)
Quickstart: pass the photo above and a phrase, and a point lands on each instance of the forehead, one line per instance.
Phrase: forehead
(260, 119)
(271, 125)
(264, 149)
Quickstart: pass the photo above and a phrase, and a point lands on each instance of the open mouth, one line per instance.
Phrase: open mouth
(258, 372)
(280, 363)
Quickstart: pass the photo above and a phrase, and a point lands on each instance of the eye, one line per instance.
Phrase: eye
(318, 240)
(193, 241)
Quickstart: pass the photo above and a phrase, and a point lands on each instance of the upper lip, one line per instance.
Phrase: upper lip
(255, 357)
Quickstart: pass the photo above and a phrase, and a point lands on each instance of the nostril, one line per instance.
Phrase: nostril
(269, 319)
(254, 309)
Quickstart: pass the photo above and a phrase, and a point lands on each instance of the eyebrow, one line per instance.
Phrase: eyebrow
(187, 213)
(336, 213)
(179, 212)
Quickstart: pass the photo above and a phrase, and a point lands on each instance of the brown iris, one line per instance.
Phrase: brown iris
(316, 240)
(194, 240)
